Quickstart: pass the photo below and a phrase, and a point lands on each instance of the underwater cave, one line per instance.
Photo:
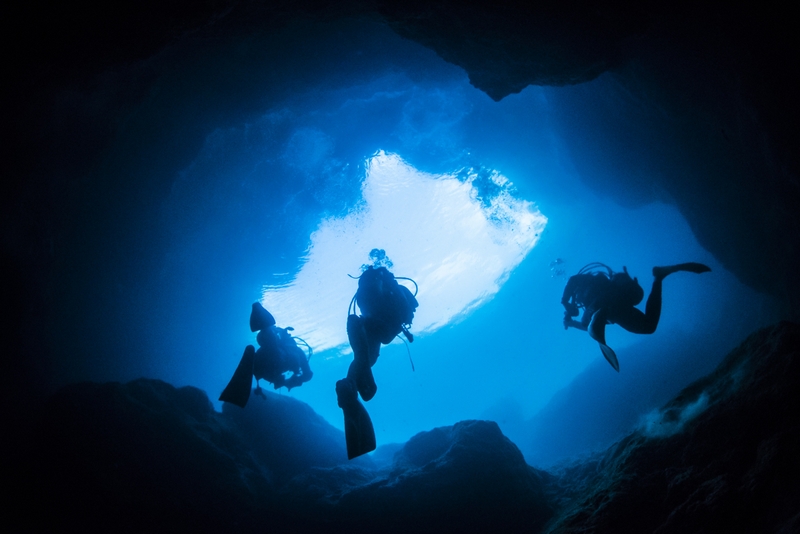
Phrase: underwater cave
(169, 164)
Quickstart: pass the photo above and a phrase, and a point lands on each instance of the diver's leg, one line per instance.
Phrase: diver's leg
(376, 333)
(633, 320)
(361, 370)
(637, 322)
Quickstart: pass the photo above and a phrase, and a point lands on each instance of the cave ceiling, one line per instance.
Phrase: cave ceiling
(711, 87)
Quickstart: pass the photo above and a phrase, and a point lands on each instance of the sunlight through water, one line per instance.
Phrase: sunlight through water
(457, 235)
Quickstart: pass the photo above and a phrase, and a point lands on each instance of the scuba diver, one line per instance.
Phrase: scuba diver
(387, 310)
(277, 355)
(609, 297)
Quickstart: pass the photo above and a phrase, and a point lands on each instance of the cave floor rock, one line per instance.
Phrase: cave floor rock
(146, 456)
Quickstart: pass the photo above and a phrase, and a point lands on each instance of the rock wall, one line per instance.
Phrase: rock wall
(697, 108)
(720, 457)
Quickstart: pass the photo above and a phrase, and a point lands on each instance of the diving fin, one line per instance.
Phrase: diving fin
(358, 430)
(238, 389)
(694, 267)
(597, 331)
(610, 356)
(690, 267)
(597, 327)
(260, 318)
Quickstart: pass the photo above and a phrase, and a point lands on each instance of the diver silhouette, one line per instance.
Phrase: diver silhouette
(387, 309)
(609, 297)
(277, 355)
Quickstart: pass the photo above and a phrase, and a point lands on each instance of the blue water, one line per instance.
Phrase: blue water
(241, 217)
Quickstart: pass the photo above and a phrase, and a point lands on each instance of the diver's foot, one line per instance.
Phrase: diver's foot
(691, 267)
(346, 393)
(365, 382)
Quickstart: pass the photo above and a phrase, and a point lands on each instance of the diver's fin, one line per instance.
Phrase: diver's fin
(611, 357)
(358, 430)
(238, 389)
(597, 327)
(691, 267)
(260, 318)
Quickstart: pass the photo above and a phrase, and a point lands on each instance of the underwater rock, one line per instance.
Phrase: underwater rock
(141, 456)
(506, 47)
(720, 457)
(465, 478)
(593, 412)
(693, 111)
(289, 437)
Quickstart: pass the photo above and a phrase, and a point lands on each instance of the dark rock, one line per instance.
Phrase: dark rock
(384, 454)
(720, 457)
(698, 106)
(464, 478)
(152, 457)
(141, 456)
(596, 410)
(288, 437)
(505, 47)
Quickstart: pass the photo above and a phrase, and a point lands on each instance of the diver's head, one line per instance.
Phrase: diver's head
(378, 258)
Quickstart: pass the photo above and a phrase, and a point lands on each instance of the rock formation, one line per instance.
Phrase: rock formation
(145, 456)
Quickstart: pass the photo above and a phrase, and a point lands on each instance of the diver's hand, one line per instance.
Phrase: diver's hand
(569, 321)
(571, 309)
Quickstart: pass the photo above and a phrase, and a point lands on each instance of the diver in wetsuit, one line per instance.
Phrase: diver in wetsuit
(278, 355)
(608, 297)
(387, 309)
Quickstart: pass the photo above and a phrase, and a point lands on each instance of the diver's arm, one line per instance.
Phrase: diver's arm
(569, 290)
(567, 297)
(570, 322)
